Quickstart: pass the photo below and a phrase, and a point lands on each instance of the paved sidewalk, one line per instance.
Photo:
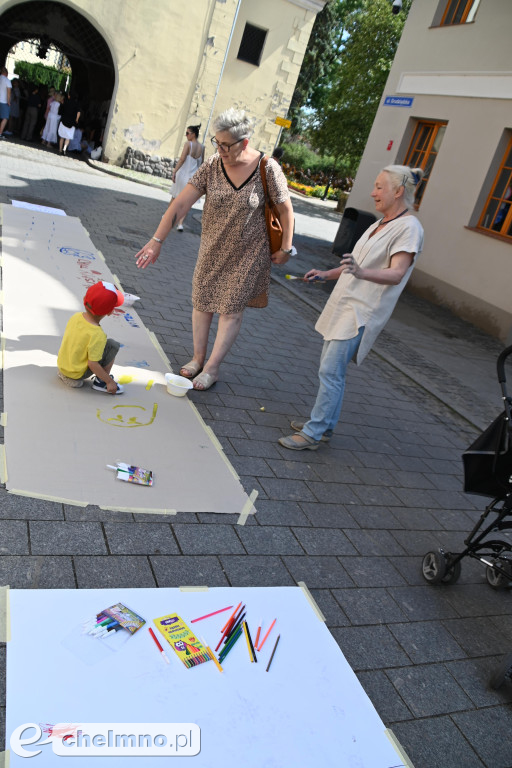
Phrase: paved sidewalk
(352, 519)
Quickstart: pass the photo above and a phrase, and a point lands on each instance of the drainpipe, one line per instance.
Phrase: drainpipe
(221, 71)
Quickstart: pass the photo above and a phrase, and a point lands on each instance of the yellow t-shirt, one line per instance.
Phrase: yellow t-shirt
(81, 342)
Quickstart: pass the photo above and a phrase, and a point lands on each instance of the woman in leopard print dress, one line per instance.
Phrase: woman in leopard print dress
(233, 265)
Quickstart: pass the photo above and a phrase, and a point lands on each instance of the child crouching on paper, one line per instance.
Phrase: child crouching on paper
(85, 350)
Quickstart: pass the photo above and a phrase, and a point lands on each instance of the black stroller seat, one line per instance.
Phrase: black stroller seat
(487, 472)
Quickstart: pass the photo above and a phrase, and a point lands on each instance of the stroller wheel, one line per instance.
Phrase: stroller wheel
(502, 672)
(436, 569)
(497, 580)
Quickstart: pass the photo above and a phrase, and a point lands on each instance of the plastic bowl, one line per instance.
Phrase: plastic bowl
(177, 385)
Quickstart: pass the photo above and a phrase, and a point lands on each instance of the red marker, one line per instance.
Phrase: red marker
(158, 645)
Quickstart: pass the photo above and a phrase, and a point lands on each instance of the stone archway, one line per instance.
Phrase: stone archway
(93, 68)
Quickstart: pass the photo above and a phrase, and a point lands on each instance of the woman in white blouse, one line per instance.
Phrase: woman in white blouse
(369, 282)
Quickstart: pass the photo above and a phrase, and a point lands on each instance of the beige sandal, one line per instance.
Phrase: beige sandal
(206, 380)
(192, 368)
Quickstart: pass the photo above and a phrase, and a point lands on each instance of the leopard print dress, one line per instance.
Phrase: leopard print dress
(233, 265)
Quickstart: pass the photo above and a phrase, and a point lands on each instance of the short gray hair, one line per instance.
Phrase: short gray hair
(408, 178)
(236, 121)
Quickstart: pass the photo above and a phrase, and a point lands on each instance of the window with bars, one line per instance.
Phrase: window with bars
(459, 12)
(251, 47)
(497, 214)
(423, 151)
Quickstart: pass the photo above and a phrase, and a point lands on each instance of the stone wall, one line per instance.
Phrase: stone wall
(154, 165)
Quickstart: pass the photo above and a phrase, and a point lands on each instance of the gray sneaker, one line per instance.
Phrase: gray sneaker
(299, 425)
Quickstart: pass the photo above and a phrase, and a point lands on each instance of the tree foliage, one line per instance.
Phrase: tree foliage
(344, 93)
(41, 74)
(320, 59)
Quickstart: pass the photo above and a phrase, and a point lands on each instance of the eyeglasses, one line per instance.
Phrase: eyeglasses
(225, 147)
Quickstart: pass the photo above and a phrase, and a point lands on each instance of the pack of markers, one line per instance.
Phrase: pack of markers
(103, 633)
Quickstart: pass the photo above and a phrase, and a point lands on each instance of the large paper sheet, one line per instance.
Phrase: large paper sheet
(58, 440)
(308, 710)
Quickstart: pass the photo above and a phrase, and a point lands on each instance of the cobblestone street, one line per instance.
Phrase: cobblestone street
(352, 520)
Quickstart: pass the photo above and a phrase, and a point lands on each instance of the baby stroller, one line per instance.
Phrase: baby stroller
(487, 472)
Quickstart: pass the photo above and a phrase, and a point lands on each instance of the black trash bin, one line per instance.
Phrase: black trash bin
(353, 223)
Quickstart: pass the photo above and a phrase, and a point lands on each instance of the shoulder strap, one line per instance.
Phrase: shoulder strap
(263, 173)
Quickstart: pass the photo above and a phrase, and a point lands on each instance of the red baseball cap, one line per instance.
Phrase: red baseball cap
(103, 297)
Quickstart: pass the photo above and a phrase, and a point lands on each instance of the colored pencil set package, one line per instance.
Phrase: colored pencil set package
(182, 640)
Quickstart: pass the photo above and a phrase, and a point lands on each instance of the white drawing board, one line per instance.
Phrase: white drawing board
(308, 710)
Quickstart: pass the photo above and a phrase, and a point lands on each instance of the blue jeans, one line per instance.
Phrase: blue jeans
(335, 357)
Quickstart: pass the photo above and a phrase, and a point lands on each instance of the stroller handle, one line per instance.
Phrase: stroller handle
(500, 364)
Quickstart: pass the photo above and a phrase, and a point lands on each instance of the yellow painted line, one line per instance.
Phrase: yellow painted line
(311, 600)
(150, 384)
(99, 254)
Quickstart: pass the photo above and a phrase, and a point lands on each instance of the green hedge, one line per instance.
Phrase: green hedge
(41, 74)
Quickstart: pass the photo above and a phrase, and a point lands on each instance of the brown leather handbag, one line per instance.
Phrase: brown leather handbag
(274, 229)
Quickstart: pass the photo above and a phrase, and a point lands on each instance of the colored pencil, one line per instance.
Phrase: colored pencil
(268, 633)
(244, 626)
(226, 651)
(211, 614)
(272, 654)
(232, 641)
(158, 645)
(258, 634)
(250, 643)
(211, 655)
(235, 627)
(232, 616)
(228, 626)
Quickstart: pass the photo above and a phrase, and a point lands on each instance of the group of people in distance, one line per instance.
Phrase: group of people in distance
(37, 112)
(234, 261)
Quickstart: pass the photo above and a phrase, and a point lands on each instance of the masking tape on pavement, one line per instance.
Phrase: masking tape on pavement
(5, 615)
(248, 508)
(311, 600)
(3, 465)
(399, 749)
(5, 759)
(194, 589)
(100, 255)
(3, 419)
(142, 510)
(159, 349)
(58, 499)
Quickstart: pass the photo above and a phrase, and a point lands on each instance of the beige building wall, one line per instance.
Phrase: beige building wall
(462, 75)
(169, 56)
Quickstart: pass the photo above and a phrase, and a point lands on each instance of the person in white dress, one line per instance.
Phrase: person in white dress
(191, 158)
(49, 136)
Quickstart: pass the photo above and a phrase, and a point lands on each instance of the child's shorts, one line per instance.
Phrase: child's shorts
(109, 355)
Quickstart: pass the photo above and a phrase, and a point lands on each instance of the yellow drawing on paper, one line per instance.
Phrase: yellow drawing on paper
(129, 417)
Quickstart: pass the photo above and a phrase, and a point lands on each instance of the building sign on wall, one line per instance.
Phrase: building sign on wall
(283, 122)
(398, 101)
